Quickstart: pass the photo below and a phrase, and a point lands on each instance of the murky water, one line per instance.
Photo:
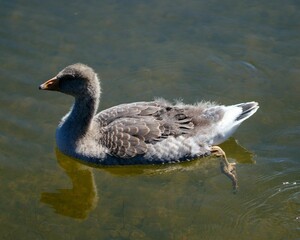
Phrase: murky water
(226, 52)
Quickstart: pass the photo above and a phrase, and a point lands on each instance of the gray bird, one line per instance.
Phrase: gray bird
(154, 132)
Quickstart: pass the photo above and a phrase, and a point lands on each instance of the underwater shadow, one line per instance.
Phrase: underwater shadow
(78, 201)
(82, 198)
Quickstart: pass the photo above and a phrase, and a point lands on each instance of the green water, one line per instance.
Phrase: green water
(192, 50)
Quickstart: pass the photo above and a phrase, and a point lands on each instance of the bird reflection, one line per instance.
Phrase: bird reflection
(236, 151)
(82, 198)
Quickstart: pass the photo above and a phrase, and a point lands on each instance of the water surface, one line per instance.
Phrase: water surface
(225, 52)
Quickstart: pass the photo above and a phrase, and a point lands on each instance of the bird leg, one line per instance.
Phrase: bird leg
(227, 168)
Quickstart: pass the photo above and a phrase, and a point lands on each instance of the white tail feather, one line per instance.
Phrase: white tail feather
(234, 115)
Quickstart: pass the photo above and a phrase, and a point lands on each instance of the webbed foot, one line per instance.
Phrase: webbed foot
(229, 169)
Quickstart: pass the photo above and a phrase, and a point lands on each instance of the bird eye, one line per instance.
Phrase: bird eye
(66, 77)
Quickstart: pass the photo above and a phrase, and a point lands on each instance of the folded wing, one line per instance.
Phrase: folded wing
(130, 129)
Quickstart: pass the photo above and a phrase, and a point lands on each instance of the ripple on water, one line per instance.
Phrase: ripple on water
(276, 206)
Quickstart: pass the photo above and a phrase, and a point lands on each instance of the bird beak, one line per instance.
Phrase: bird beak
(52, 84)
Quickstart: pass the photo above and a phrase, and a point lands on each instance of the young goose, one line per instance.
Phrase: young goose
(154, 132)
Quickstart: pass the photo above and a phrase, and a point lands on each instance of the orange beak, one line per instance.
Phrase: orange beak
(52, 84)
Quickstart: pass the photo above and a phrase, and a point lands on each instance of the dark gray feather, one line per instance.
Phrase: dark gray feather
(129, 128)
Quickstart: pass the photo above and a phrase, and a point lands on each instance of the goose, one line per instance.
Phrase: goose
(155, 132)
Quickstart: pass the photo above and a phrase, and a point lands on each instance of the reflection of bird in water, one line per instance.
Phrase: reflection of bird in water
(143, 132)
(82, 198)
(78, 201)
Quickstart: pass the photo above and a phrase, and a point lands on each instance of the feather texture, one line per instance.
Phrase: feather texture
(141, 132)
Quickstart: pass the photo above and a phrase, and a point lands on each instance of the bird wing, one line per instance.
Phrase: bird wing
(127, 129)
(109, 115)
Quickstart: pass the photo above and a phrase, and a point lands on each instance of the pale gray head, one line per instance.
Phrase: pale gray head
(77, 80)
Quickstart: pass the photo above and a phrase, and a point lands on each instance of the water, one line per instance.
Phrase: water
(226, 52)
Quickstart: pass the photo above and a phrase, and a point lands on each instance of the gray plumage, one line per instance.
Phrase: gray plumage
(141, 132)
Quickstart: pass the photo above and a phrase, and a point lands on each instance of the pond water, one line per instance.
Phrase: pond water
(228, 52)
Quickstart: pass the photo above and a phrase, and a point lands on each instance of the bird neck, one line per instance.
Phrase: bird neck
(79, 119)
